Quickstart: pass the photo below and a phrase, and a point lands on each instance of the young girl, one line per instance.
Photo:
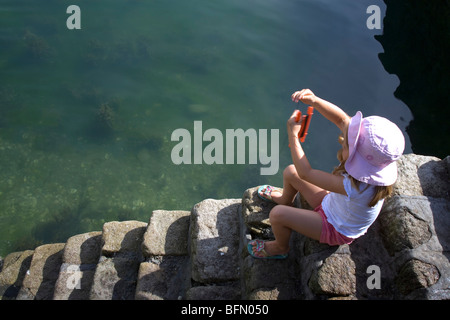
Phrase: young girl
(346, 201)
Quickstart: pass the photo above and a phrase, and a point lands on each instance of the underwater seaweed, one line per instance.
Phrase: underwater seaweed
(36, 47)
(106, 115)
(96, 53)
(62, 224)
(103, 125)
(87, 94)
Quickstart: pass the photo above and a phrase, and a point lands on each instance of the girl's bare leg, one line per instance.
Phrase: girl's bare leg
(293, 184)
(284, 218)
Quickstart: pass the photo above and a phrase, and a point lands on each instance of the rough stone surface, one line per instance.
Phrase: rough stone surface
(164, 278)
(274, 276)
(165, 274)
(40, 279)
(15, 266)
(167, 233)
(214, 293)
(335, 277)
(215, 240)
(115, 279)
(264, 294)
(74, 282)
(117, 270)
(416, 274)
(122, 237)
(404, 224)
(83, 248)
(255, 212)
(423, 176)
(80, 257)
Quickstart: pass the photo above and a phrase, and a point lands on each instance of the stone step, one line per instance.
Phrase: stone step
(214, 239)
(214, 249)
(165, 272)
(80, 257)
(117, 269)
(177, 255)
(265, 279)
(15, 267)
(40, 279)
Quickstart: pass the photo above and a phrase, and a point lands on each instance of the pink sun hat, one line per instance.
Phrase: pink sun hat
(375, 143)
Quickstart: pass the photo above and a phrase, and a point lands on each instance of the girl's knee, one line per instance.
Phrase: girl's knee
(290, 172)
(277, 213)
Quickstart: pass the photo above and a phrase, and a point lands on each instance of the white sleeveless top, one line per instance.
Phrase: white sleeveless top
(351, 215)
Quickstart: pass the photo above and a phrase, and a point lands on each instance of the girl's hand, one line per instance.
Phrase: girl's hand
(293, 127)
(306, 96)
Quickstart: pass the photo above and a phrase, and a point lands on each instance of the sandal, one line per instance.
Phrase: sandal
(256, 250)
(265, 192)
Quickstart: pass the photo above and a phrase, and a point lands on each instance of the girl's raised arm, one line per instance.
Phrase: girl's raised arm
(327, 109)
(324, 180)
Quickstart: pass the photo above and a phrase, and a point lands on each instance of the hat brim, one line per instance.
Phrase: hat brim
(363, 171)
(354, 129)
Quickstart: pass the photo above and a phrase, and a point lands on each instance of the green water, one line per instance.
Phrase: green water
(86, 116)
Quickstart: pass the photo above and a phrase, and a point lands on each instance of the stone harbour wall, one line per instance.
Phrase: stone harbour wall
(201, 254)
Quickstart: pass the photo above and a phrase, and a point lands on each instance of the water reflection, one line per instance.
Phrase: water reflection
(416, 42)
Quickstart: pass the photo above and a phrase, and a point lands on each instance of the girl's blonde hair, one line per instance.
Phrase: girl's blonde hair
(381, 192)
